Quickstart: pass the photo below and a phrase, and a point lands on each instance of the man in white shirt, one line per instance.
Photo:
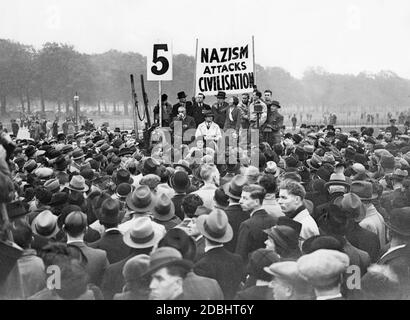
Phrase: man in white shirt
(291, 196)
(210, 174)
(209, 129)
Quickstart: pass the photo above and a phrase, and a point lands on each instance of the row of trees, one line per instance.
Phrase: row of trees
(55, 73)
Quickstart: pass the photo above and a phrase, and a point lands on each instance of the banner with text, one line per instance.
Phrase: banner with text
(224, 68)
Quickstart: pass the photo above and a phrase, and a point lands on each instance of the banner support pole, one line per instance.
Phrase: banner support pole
(253, 56)
(196, 57)
(160, 103)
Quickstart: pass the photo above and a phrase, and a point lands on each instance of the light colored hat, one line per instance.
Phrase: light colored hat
(400, 173)
(77, 183)
(272, 168)
(142, 234)
(52, 185)
(44, 173)
(286, 270)
(359, 168)
(45, 224)
(215, 226)
(323, 267)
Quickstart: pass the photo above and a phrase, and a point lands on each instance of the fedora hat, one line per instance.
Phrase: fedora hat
(215, 226)
(58, 198)
(45, 224)
(141, 200)
(276, 104)
(337, 180)
(177, 238)
(164, 208)
(272, 168)
(352, 204)
(180, 182)
(135, 267)
(31, 165)
(165, 257)
(284, 236)
(150, 165)
(122, 176)
(363, 189)
(202, 210)
(16, 209)
(233, 189)
(88, 174)
(123, 190)
(399, 221)
(221, 95)
(314, 162)
(308, 148)
(44, 172)
(52, 185)
(77, 183)
(181, 95)
(77, 154)
(183, 164)
(110, 210)
(142, 234)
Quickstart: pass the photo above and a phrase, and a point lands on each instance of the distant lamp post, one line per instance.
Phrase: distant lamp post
(76, 99)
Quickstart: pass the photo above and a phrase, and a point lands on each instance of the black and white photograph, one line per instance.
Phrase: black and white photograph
(223, 151)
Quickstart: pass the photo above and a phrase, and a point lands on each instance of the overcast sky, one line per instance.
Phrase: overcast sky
(341, 36)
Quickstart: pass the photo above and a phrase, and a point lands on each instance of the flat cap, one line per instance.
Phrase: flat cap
(322, 267)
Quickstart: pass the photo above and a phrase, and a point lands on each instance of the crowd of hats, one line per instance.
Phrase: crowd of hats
(64, 189)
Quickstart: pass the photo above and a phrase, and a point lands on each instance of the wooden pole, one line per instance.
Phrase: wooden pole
(160, 103)
(253, 57)
(196, 57)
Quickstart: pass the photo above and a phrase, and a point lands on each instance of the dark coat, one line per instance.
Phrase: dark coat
(399, 261)
(201, 288)
(251, 236)
(97, 262)
(255, 293)
(219, 112)
(365, 240)
(236, 115)
(236, 216)
(113, 280)
(198, 112)
(225, 267)
(177, 200)
(188, 106)
(112, 243)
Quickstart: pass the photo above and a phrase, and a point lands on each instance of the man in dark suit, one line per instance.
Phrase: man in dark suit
(198, 108)
(236, 215)
(217, 262)
(398, 255)
(182, 103)
(111, 241)
(251, 235)
(219, 109)
(185, 123)
(141, 238)
(75, 226)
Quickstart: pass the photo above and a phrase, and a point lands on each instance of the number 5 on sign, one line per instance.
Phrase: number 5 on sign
(159, 62)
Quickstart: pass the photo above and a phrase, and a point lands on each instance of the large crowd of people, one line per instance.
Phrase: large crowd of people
(230, 207)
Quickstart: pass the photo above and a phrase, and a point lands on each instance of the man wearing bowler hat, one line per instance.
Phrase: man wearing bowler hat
(236, 215)
(111, 240)
(398, 254)
(182, 103)
(218, 263)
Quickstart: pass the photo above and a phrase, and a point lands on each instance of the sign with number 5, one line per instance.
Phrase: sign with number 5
(159, 62)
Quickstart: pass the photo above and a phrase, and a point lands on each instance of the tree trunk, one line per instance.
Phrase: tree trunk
(99, 107)
(105, 107)
(22, 103)
(28, 102)
(43, 105)
(67, 108)
(59, 107)
(3, 105)
(114, 110)
(126, 108)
